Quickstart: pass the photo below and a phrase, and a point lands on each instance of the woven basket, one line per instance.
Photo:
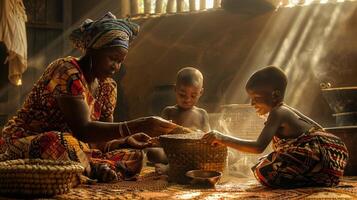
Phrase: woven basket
(36, 177)
(188, 152)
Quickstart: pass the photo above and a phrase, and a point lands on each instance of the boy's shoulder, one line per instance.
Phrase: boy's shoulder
(282, 111)
(168, 108)
(169, 111)
(200, 110)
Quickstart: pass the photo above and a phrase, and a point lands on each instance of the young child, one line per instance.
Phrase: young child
(304, 154)
(188, 89)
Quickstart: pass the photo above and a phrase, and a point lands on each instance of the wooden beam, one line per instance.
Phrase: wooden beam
(170, 6)
(124, 8)
(158, 6)
(202, 4)
(192, 5)
(134, 7)
(147, 6)
(216, 3)
(179, 5)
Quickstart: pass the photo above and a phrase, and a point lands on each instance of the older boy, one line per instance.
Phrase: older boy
(304, 154)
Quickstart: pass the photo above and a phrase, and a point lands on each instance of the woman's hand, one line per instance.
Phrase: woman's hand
(139, 140)
(214, 138)
(115, 144)
(154, 126)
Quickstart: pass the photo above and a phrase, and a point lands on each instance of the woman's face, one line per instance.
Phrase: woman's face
(106, 62)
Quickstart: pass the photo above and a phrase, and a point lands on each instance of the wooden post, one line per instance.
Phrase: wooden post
(147, 6)
(124, 8)
(202, 4)
(170, 6)
(217, 3)
(158, 6)
(192, 5)
(179, 5)
(134, 7)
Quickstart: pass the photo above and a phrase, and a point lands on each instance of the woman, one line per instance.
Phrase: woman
(73, 103)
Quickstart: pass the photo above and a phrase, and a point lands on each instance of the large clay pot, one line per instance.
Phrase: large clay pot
(343, 101)
(348, 135)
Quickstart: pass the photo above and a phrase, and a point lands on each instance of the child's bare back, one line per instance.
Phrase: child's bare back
(292, 122)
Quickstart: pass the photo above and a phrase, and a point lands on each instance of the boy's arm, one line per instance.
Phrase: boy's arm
(258, 146)
(205, 121)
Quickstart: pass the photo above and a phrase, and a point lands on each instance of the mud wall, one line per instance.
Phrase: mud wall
(313, 44)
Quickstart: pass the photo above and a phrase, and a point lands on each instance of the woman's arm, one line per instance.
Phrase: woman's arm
(251, 146)
(102, 145)
(107, 96)
(77, 115)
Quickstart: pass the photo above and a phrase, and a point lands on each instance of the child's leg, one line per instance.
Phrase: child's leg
(156, 155)
(128, 162)
(102, 172)
(287, 170)
(162, 169)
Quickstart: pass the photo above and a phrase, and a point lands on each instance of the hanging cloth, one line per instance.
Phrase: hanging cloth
(13, 34)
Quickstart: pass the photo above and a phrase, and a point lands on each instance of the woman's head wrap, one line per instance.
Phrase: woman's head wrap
(107, 31)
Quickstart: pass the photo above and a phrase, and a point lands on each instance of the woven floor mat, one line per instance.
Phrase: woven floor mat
(228, 189)
(152, 186)
(120, 190)
(147, 181)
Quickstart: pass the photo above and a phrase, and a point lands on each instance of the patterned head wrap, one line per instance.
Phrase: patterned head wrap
(107, 31)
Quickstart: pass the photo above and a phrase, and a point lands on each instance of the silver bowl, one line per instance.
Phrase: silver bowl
(204, 177)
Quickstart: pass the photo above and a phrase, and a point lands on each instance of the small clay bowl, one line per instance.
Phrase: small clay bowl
(204, 178)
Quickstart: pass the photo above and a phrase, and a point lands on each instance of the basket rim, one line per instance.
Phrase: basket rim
(40, 165)
(172, 137)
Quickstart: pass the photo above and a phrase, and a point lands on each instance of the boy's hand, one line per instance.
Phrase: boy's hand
(214, 138)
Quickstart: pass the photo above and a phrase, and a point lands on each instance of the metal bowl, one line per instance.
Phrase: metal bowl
(204, 177)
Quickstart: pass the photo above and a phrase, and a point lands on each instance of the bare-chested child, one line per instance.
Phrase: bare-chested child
(303, 153)
(188, 89)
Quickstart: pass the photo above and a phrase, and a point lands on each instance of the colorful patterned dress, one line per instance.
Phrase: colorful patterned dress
(39, 130)
(315, 158)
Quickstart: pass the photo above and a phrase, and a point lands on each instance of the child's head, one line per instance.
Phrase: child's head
(266, 88)
(188, 88)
